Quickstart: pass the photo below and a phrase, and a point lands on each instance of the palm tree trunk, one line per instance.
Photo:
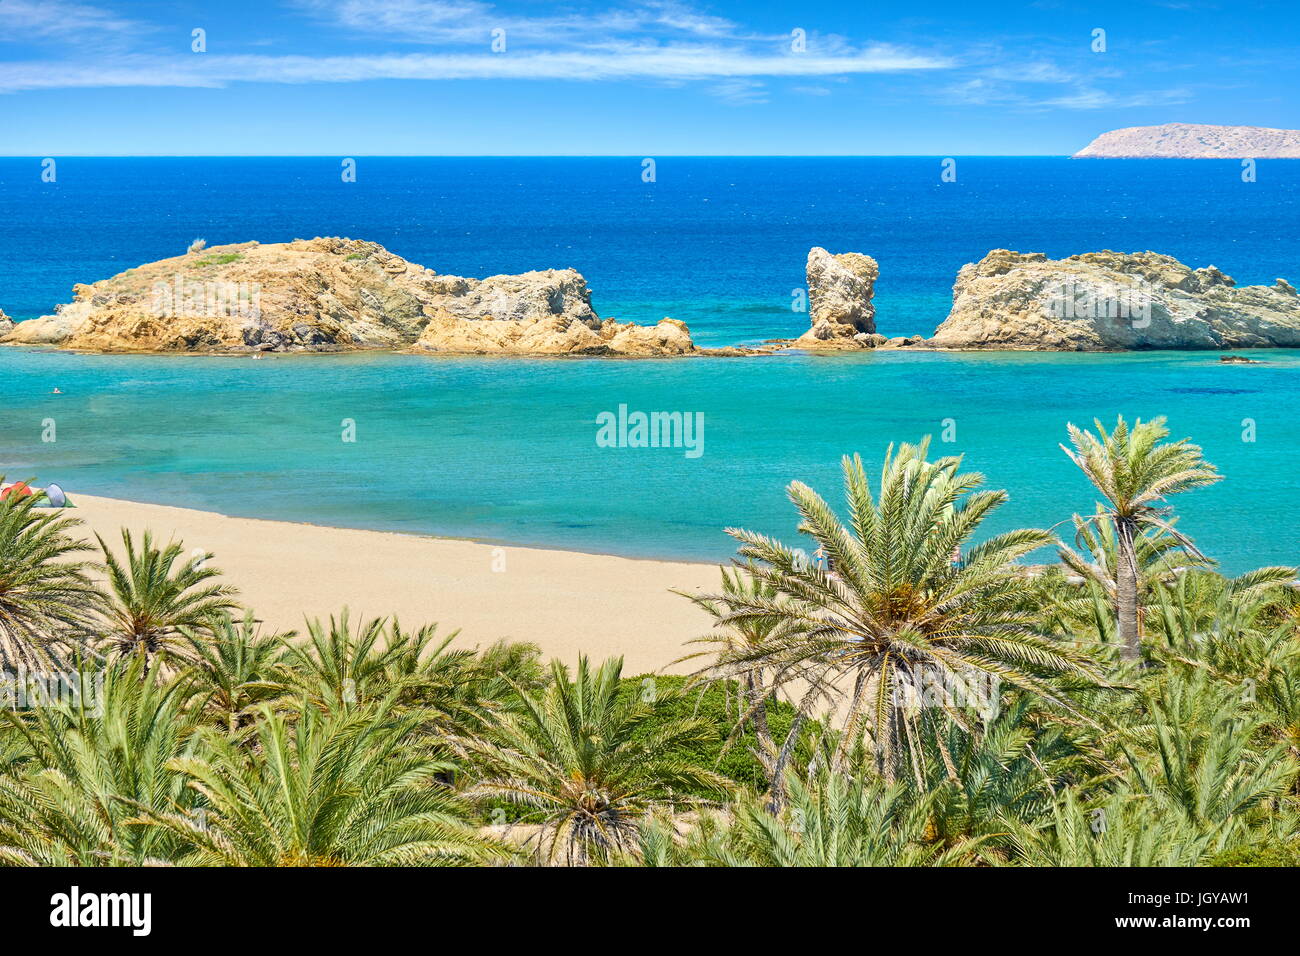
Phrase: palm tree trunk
(777, 791)
(758, 698)
(1126, 599)
(889, 758)
(849, 734)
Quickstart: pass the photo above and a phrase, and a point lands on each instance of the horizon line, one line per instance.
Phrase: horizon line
(642, 155)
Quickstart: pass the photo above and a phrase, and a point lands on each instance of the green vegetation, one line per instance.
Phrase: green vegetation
(44, 591)
(588, 758)
(719, 706)
(1265, 854)
(914, 695)
(154, 597)
(217, 259)
(1135, 472)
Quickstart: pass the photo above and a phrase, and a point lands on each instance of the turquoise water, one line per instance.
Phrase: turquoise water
(506, 450)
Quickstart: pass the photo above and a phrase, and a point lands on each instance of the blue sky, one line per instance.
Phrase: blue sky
(645, 77)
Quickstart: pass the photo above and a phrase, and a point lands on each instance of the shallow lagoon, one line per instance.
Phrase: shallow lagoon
(506, 449)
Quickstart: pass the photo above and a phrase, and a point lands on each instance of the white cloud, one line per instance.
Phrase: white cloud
(32, 20)
(1039, 71)
(663, 40)
(740, 91)
(471, 21)
(1093, 99)
(666, 41)
(678, 62)
(1047, 84)
(678, 16)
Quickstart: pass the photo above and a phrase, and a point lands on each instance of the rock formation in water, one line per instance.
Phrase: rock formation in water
(335, 294)
(840, 288)
(6, 323)
(1194, 141)
(331, 294)
(538, 313)
(1108, 301)
(47, 330)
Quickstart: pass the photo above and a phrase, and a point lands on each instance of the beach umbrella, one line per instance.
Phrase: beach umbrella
(54, 494)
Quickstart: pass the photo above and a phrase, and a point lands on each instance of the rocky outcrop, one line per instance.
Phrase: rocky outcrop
(538, 313)
(6, 323)
(330, 294)
(306, 295)
(840, 310)
(47, 330)
(1107, 301)
(1194, 141)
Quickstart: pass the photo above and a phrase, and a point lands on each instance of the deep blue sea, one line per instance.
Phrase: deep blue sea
(505, 449)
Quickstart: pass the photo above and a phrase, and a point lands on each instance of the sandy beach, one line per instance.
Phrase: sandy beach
(566, 602)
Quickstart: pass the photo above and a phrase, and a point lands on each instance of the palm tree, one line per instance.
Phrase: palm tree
(234, 672)
(454, 687)
(1279, 695)
(1135, 471)
(897, 612)
(153, 598)
(1123, 829)
(730, 638)
(834, 820)
(1160, 556)
(588, 757)
(1161, 561)
(340, 667)
(1195, 748)
(1234, 628)
(1008, 768)
(45, 598)
(92, 764)
(347, 789)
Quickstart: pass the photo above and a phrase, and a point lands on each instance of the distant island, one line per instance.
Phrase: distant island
(1194, 141)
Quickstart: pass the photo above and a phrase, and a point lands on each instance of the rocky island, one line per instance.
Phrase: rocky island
(536, 313)
(1095, 302)
(840, 289)
(1110, 301)
(1194, 141)
(840, 309)
(333, 294)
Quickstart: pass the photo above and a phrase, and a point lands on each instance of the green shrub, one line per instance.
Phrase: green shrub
(737, 761)
(219, 259)
(1268, 853)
